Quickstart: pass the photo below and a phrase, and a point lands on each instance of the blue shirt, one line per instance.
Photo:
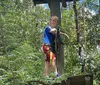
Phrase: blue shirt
(48, 36)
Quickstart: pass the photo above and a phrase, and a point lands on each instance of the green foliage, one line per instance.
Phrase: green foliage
(22, 65)
(21, 30)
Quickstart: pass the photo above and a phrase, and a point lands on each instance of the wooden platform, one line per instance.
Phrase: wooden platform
(74, 80)
(78, 80)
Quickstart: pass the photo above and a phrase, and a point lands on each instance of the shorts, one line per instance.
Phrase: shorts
(49, 54)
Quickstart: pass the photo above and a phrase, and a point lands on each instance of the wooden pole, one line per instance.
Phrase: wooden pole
(55, 10)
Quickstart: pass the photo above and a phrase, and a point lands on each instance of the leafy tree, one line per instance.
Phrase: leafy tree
(21, 31)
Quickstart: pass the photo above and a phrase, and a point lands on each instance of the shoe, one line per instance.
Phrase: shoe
(47, 77)
(58, 75)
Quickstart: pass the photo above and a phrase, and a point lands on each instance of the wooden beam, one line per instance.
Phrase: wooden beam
(45, 1)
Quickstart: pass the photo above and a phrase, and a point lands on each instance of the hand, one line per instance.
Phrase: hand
(53, 30)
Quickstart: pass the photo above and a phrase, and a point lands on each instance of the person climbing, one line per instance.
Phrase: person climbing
(48, 46)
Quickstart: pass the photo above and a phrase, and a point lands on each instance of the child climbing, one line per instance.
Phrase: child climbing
(49, 38)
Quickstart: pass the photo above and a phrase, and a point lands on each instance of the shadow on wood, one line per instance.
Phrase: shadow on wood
(78, 80)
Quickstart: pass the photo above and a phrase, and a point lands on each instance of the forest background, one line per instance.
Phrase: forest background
(21, 32)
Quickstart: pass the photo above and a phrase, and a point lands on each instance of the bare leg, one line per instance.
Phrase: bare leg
(54, 66)
(47, 68)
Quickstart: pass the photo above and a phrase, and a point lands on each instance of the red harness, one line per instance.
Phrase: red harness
(49, 54)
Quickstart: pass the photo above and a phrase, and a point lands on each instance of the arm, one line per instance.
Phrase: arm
(53, 30)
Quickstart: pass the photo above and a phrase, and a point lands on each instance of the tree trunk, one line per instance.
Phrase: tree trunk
(54, 6)
(76, 20)
(78, 35)
(55, 10)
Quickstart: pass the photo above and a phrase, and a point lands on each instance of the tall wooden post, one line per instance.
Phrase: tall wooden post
(55, 10)
(54, 6)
